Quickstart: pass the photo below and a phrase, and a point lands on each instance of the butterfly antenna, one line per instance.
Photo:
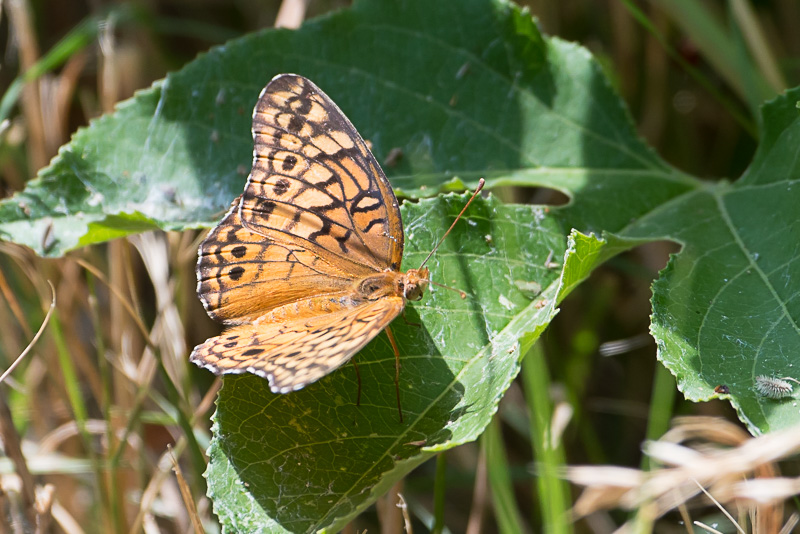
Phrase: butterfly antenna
(481, 182)
(437, 284)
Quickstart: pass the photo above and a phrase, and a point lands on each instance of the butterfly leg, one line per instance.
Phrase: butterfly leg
(358, 378)
(396, 369)
(409, 323)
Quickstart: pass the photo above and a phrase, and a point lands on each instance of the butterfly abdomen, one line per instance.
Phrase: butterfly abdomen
(309, 307)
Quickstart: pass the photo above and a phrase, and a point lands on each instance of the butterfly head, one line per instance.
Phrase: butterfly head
(413, 284)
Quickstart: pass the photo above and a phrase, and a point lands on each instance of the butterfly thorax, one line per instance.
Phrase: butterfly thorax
(410, 285)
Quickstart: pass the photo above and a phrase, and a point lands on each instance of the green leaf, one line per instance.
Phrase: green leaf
(726, 309)
(314, 458)
(464, 89)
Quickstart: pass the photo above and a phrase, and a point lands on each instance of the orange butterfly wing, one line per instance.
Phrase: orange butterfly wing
(299, 351)
(288, 265)
(314, 179)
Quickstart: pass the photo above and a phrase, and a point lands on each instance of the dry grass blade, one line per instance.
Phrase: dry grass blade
(118, 294)
(605, 487)
(13, 304)
(167, 331)
(35, 338)
(686, 518)
(767, 490)
(480, 500)
(722, 508)
(790, 524)
(65, 520)
(401, 504)
(44, 507)
(562, 415)
(58, 436)
(13, 450)
(11, 439)
(291, 14)
(159, 477)
(390, 512)
(689, 470)
(186, 494)
(622, 346)
(154, 486)
(22, 26)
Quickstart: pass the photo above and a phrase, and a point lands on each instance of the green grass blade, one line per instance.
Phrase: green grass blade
(730, 106)
(196, 455)
(758, 44)
(719, 49)
(506, 511)
(79, 410)
(439, 494)
(72, 43)
(662, 401)
(553, 492)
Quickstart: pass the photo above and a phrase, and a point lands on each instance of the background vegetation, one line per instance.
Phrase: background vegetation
(93, 415)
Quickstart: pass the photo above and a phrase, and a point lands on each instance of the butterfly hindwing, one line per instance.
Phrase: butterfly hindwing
(296, 352)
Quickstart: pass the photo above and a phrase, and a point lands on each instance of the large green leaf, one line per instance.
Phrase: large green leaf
(314, 459)
(464, 89)
(727, 308)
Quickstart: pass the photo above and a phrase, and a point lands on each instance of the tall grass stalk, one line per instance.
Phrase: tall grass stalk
(549, 459)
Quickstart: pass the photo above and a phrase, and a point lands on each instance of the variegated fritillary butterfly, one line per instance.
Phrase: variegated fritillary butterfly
(304, 269)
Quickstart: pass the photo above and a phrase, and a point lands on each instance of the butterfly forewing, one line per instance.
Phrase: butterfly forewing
(317, 212)
(314, 181)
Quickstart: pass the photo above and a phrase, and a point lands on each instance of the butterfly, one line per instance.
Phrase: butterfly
(304, 269)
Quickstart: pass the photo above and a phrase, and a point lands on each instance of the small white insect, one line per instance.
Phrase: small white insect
(773, 387)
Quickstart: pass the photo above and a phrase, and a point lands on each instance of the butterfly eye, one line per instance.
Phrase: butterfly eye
(413, 292)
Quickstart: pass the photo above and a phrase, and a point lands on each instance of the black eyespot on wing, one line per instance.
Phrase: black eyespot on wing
(236, 273)
(289, 162)
(295, 123)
